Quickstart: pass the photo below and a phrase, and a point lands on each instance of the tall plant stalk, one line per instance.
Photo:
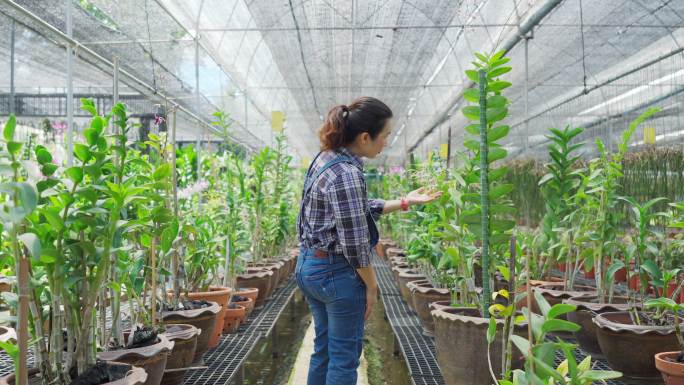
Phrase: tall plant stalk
(484, 195)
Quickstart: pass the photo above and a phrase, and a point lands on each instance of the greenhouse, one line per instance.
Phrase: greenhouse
(342, 192)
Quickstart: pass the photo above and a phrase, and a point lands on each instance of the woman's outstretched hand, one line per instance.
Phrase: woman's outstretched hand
(422, 196)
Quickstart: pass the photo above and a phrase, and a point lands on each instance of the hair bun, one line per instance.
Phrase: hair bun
(345, 111)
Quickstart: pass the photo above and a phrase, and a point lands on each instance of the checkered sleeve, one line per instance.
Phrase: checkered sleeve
(376, 206)
(347, 196)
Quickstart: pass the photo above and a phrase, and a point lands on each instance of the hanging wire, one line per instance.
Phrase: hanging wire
(584, 68)
(149, 40)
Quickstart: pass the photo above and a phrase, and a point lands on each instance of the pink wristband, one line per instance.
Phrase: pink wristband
(404, 204)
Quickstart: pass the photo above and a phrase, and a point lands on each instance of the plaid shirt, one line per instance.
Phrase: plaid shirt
(333, 216)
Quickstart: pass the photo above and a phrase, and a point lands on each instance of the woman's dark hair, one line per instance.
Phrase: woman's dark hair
(344, 123)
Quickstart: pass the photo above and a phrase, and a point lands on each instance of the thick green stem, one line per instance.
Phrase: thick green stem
(484, 194)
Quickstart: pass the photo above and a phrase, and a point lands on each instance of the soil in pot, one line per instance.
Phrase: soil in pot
(149, 351)
(587, 308)
(630, 348)
(461, 346)
(395, 252)
(671, 367)
(406, 277)
(235, 315)
(220, 295)
(184, 337)
(422, 294)
(102, 373)
(200, 314)
(245, 302)
(247, 292)
(257, 278)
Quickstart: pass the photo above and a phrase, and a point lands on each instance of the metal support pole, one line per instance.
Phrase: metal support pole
(527, 96)
(240, 380)
(115, 90)
(70, 84)
(199, 125)
(12, 102)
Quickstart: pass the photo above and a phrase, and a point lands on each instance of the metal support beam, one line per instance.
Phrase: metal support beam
(69, 84)
(115, 89)
(199, 126)
(133, 81)
(12, 106)
(526, 27)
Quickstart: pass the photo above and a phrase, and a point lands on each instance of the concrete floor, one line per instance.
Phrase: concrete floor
(301, 366)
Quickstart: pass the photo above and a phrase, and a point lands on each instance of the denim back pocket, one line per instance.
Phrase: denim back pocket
(320, 285)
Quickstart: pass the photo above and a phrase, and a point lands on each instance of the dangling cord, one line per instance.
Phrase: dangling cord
(149, 41)
(584, 68)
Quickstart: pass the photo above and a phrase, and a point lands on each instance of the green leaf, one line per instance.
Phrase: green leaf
(496, 114)
(14, 147)
(498, 86)
(472, 95)
(560, 309)
(521, 343)
(10, 125)
(497, 133)
(163, 171)
(75, 174)
(559, 325)
(89, 106)
(91, 135)
(472, 112)
(500, 190)
(473, 75)
(82, 152)
(652, 269)
(495, 154)
(472, 145)
(496, 72)
(593, 376)
(543, 305)
(491, 330)
(473, 129)
(43, 156)
(32, 244)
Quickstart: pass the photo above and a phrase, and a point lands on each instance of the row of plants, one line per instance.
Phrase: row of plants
(124, 277)
(502, 300)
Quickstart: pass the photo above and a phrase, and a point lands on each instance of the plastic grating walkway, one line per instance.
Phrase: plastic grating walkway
(417, 349)
(224, 361)
(227, 358)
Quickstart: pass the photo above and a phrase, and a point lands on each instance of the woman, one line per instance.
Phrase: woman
(337, 234)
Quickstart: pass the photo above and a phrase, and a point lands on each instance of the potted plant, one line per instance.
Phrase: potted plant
(670, 364)
(487, 215)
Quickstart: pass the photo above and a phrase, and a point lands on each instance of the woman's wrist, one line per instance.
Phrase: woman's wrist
(404, 203)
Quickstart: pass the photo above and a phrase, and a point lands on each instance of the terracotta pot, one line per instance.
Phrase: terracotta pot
(151, 358)
(398, 269)
(257, 278)
(203, 319)
(561, 267)
(274, 279)
(461, 346)
(422, 294)
(630, 348)
(136, 376)
(394, 261)
(247, 292)
(404, 278)
(184, 337)
(554, 293)
(591, 274)
(220, 295)
(587, 308)
(671, 370)
(395, 252)
(248, 305)
(234, 317)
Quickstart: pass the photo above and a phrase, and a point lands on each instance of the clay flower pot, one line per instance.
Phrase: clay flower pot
(184, 338)
(248, 305)
(404, 278)
(235, 315)
(587, 308)
(203, 319)
(247, 292)
(396, 269)
(395, 252)
(129, 375)
(671, 370)
(152, 358)
(630, 348)
(220, 295)
(257, 278)
(422, 294)
(275, 278)
(461, 346)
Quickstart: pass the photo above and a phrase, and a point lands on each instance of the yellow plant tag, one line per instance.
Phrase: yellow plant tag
(649, 135)
(277, 120)
(444, 150)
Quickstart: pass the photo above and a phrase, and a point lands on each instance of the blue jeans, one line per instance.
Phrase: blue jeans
(337, 299)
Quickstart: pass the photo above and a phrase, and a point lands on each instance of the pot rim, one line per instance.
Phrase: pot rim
(602, 322)
(164, 345)
(257, 273)
(582, 304)
(544, 288)
(424, 286)
(479, 321)
(214, 308)
(410, 274)
(240, 309)
(187, 332)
